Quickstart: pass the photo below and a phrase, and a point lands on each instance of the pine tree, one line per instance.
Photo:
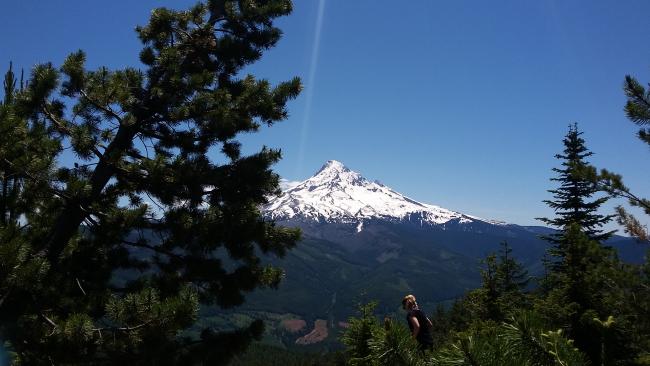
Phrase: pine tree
(521, 340)
(393, 345)
(637, 110)
(358, 335)
(160, 190)
(571, 200)
(27, 158)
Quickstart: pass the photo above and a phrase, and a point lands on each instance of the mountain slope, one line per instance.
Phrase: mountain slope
(341, 206)
(338, 194)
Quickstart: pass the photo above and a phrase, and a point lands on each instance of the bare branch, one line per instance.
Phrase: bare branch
(152, 248)
(50, 322)
(81, 288)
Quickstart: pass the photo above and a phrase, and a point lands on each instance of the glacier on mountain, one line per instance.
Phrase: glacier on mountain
(338, 194)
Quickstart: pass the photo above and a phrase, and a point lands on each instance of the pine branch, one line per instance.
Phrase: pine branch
(104, 108)
(64, 129)
(124, 329)
(156, 249)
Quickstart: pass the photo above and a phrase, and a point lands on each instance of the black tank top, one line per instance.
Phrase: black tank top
(424, 335)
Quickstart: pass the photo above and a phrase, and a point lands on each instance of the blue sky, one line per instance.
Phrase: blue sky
(462, 104)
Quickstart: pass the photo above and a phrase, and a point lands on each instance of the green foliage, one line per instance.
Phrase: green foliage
(144, 195)
(638, 299)
(394, 345)
(369, 343)
(637, 109)
(585, 282)
(359, 333)
(522, 340)
(443, 323)
(634, 288)
(571, 200)
(504, 281)
(587, 285)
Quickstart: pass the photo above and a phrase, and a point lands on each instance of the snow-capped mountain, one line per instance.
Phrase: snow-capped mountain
(338, 194)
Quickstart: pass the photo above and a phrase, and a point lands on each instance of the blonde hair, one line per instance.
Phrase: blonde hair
(408, 299)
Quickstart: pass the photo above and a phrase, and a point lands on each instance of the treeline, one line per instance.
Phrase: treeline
(587, 308)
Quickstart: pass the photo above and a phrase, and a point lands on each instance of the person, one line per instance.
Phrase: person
(418, 322)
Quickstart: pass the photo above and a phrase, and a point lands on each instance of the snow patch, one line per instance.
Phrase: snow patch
(338, 194)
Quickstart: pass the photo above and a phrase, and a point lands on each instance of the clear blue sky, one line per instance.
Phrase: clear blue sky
(457, 103)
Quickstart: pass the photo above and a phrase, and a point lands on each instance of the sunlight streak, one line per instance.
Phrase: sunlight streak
(309, 92)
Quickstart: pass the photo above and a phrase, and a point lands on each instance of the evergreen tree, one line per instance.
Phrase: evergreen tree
(27, 158)
(358, 335)
(571, 199)
(489, 293)
(583, 291)
(636, 286)
(521, 340)
(159, 190)
(513, 279)
(583, 277)
(442, 324)
(638, 299)
(393, 345)
(513, 276)
(502, 291)
(637, 110)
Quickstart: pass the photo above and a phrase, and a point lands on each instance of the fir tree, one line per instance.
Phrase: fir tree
(160, 190)
(502, 291)
(571, 202)
(513, 280)
(488, 295)
(636, 285)
(583, 290)
(581, 287)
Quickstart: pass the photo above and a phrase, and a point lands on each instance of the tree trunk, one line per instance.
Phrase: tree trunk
(76, 210)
